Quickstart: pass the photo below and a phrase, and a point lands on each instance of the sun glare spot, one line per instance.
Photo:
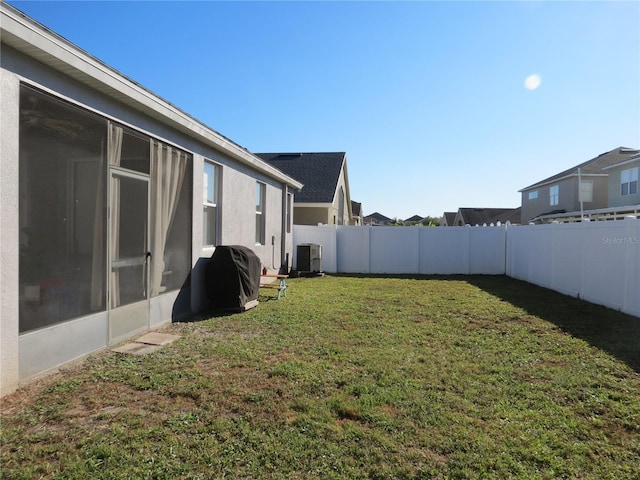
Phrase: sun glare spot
(532, 82)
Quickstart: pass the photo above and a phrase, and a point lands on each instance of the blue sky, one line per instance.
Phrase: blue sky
(428, 98)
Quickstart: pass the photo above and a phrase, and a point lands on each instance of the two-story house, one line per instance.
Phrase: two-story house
(623, 182)
(582, 187)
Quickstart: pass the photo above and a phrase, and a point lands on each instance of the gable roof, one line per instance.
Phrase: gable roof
(378, 217)
(319, 172)
(594, 166)
(480, 216)
(415, 218)
(449, 218)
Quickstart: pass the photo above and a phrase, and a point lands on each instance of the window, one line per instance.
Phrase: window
(554, 195)
(586, 191)
(210, 199)
(289, 211)
(629, 181)
(533, 195)
(260, 214)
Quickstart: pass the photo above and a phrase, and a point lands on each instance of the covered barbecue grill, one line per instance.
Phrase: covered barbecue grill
(233, 278)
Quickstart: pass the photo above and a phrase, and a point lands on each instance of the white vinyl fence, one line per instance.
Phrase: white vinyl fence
(595, 261)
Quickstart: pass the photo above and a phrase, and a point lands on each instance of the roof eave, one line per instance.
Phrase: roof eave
(27, 36)
(622, 164)
(556, 180)
(312, 204)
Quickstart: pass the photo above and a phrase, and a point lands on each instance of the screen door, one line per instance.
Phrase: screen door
(129, 255)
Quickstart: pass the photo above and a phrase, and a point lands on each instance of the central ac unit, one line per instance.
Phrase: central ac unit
(309, 257)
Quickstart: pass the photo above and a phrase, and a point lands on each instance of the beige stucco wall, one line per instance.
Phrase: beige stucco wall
(347, 200)
(615, 199)
(568, 197)
(305, 215)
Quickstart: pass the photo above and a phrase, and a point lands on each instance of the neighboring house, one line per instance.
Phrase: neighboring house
(583, 187)
(448, 219)
(413, 220)
(623, 182)
(486, 216)
(112, 200)
(325, 198)
(356, 212)
(376, 219)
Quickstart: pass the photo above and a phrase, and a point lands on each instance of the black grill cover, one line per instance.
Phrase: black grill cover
(232, 278)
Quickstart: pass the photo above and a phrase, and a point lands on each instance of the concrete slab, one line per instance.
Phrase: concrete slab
(149, 342)
(137, 348)
(155, 338)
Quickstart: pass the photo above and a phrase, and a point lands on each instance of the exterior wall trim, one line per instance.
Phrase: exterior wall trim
(556, 180)
(622, 164)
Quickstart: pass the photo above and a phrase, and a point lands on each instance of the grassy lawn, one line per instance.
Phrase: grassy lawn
(348, 377)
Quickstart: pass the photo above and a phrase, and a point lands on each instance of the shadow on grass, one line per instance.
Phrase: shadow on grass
(609, 330)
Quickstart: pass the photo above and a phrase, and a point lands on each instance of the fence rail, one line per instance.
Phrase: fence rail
(595, 261)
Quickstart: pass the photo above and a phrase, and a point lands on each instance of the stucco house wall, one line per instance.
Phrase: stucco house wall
(343, 204)
(311, 215)
(616, 199)
(34, 57)
(568, 198)
(595, 170)
(9, 232)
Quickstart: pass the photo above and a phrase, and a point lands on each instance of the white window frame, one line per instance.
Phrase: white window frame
(261, 197)
(211, 201)
(629, 179)
(554, 195)
(533, 195)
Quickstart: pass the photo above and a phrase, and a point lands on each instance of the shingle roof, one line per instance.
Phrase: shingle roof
(591, 167)
(378, 217)
(480, 216)
(415, 218)
(449, 217)
(319, 172)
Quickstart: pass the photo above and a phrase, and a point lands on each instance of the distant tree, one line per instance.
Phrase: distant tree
(425, 222)
(432, 221)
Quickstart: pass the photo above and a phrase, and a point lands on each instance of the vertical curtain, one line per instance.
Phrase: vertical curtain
(114, 153)
(168, 167)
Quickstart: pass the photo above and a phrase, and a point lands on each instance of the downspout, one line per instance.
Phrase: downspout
(283, 236)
